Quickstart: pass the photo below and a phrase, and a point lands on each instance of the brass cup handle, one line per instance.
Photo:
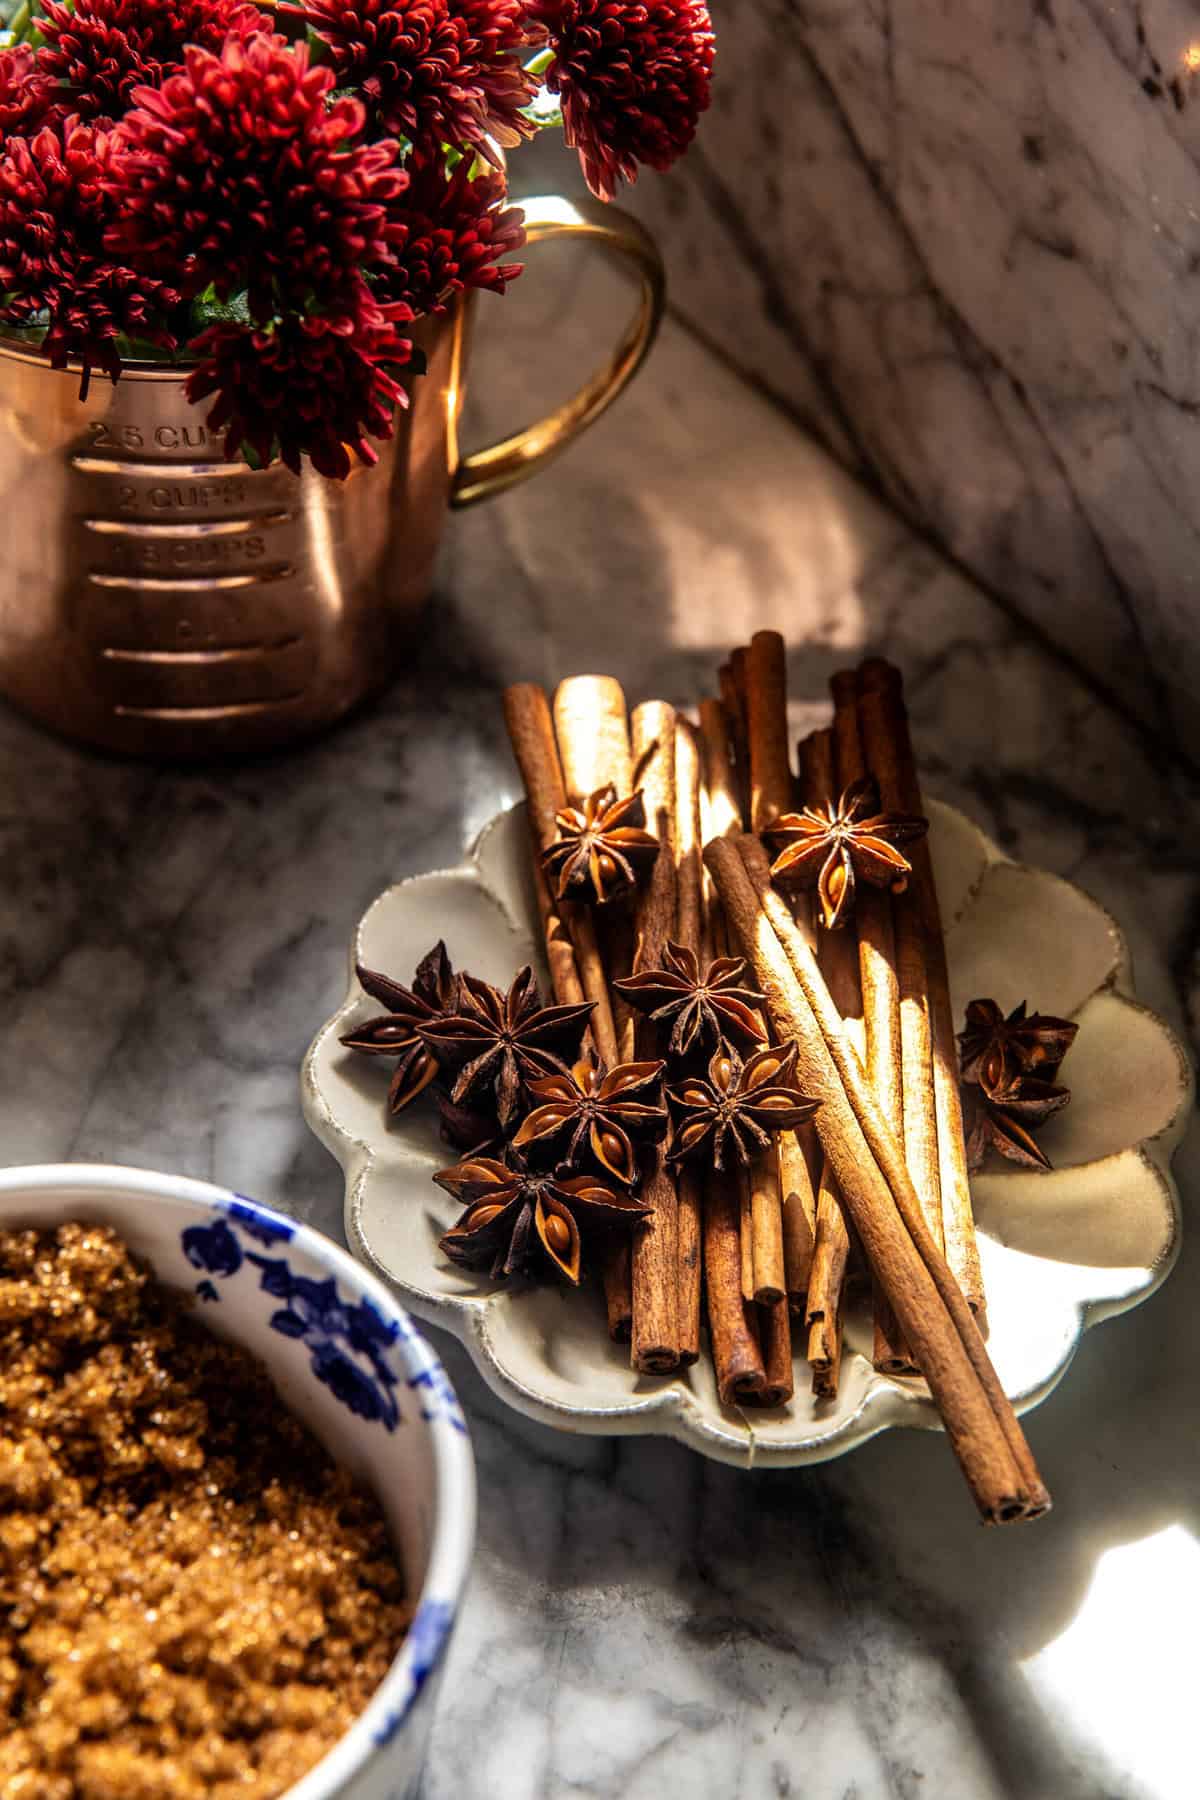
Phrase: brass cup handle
(514, 459)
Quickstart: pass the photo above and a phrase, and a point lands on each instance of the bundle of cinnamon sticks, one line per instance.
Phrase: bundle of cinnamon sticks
(877, 1184)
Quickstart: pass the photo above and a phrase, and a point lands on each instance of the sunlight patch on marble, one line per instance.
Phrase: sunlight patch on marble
(824, 533)
(1123, 1672)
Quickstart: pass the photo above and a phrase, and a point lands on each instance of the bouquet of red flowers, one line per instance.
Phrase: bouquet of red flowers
(274, 192)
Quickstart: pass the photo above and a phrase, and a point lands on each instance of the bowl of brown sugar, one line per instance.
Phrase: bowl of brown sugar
(237, 1501)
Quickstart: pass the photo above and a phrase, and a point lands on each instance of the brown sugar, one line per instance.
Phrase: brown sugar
(195, 1601)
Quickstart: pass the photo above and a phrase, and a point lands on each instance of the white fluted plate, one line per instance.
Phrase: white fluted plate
(1060, 1251)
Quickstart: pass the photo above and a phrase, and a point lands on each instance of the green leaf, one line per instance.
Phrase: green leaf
(207, 310)
(537, 65)
(132, 349)
(24, 331)
(19, 23)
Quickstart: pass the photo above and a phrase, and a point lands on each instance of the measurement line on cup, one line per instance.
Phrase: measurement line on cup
(225, 653)
(199, 528)
(191, 714)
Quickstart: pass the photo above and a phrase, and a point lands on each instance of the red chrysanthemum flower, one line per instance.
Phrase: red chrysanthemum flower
(500, 35)
(633, 77)
(448, 233)
(53, 259)
(240, 171)
(433, 71)
(100, 50)
(306, 385)
(27, 96)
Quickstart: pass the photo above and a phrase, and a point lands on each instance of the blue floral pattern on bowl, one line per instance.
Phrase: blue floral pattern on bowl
(331, 1327)
(212, 1247)
(349, 1340)
(260, 1222)
(438, 1398)
(359, 1355)
(426, 1635)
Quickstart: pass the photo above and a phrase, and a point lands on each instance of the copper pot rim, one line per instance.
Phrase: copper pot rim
(134, 368)
(23, 350)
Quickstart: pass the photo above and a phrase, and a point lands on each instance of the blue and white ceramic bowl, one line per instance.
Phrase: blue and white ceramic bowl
(348, 1361)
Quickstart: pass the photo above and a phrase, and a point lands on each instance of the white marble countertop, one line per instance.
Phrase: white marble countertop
(641, 1621)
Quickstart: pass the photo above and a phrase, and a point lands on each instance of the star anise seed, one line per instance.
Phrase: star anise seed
(1005, 1121)
(995, 1050)
(498, 1041)
(433, 995)
(517, 1219)
(834, 846)
(602, 847)
(741, 1105)
(701, 1006)
(603, 1111)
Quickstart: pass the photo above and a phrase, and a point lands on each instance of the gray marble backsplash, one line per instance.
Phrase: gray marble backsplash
(962, 243)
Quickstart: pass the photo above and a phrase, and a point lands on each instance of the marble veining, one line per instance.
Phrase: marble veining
(641, 1621)
(963, 243)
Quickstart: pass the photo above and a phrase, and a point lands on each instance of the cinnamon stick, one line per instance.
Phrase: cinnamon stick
(732, 677)
(799, 1212)
(874, 1180)
(920, 1134)
(879, 987)
(592, 723)
(688, 932)
(916, 1063)
(885, 728)
(655, 1342)
(799, 1155)
(775, 1329)
(720, 816)
(592, 732)
(826, 1280)
(800, 1163)
(560, 951)
(894, 749)
(531, 734)
(837, 955)
(766, 1224)
(732, 1325)
(767, 729)
(689, 1190)
(728, 1258)
(764, 665)
(720, 781)
(823, 1309)
(689, 866)
(746, 1227)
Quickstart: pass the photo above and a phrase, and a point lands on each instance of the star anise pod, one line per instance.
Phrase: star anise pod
(995, 1050)
(702, 1006)
(741, 1105)
(601, 848)
(433, 995)
(835, 846)
(498, 1041)
(603, 1111)
(465, 1130)
(1005, 1120)
(515, 1217)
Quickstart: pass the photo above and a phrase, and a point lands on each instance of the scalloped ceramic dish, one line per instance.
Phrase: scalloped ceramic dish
(1060, 1251)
